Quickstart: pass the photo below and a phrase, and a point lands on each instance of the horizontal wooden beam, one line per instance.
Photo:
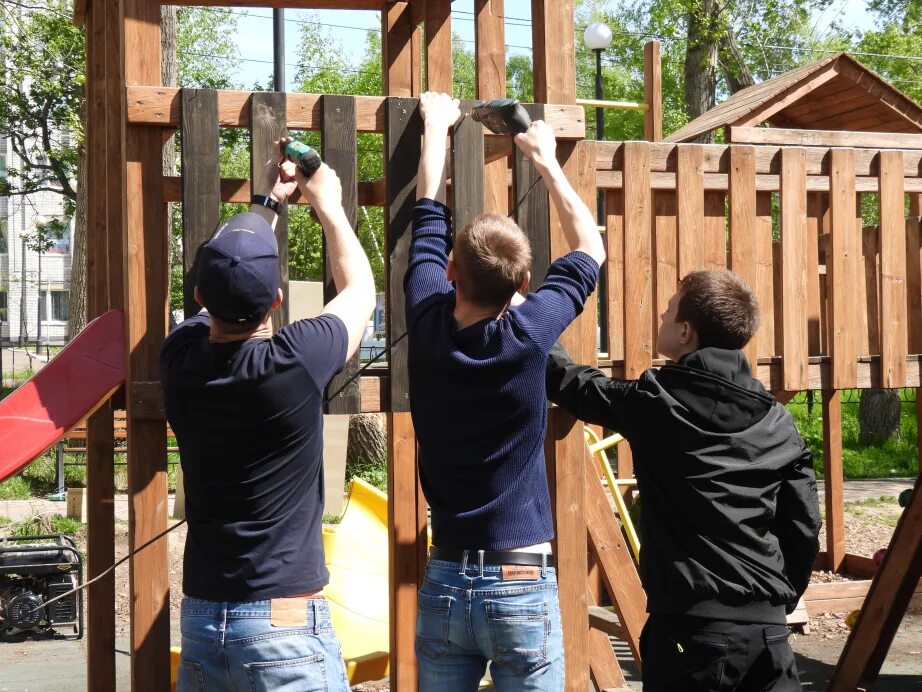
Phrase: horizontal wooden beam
(237, 191)
(844, 596)
(824, 138)
(765, 182)
(290, 4)
(614, 105)
(716, 159)
(160, 106)
(819, 373)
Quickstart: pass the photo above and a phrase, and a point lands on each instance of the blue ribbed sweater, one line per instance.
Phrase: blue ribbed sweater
(477, 395)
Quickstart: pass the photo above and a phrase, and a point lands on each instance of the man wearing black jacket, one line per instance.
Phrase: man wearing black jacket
(730, 515)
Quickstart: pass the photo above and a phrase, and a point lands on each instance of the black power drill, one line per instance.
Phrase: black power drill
(502, 116)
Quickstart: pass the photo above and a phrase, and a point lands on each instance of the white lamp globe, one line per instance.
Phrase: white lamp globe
(597, 36)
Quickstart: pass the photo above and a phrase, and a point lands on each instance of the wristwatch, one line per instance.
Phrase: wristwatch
(266, 201)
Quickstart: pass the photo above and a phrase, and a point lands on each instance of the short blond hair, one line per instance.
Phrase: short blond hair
(492, 258)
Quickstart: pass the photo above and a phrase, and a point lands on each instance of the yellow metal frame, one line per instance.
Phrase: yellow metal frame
(598, 447)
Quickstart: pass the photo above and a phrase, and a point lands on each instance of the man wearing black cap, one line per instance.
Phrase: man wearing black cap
(245, 405)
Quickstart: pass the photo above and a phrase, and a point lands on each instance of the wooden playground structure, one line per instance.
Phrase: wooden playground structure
(842, 305)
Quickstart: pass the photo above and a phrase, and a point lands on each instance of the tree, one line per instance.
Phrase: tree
(41, 111)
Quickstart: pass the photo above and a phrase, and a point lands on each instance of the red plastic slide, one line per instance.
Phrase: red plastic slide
(69, 388)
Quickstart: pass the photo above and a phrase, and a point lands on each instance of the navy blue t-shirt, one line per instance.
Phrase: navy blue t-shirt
(478, 397)
(248, 420)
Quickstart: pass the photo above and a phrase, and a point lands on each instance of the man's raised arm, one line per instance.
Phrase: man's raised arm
(439, 113)
(349, 266)
(579, 224)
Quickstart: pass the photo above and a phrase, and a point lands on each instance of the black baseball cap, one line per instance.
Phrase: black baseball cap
(238, 270)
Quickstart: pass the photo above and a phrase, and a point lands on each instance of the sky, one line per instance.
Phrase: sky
(350, 27)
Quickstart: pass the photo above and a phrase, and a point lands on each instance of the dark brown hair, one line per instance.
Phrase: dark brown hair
(492, 257)
(722, 309)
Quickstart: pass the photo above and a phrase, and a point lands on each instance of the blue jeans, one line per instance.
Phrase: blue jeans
(235, 646)
(468, 615)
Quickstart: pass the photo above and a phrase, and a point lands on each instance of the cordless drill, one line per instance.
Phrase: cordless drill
(302, 155)
(502, 116)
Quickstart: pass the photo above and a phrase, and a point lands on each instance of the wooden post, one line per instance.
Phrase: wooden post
(652, 92)
(815, 214)
(397, 49)
(914, 291)
(339, 152)
(552, 41)
(268, 124)
(795, 361)
(490, 57)
(100, 630)
(742, 185)
(146, 280)
(834, 483)
(406, 509)
(438, 46)
(614, 271)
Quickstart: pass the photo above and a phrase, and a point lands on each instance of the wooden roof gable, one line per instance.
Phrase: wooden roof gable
(835, 93)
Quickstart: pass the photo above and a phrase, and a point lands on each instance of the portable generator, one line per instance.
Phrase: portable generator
(33, 570)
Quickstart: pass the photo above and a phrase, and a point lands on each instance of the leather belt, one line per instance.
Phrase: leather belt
(492, 557)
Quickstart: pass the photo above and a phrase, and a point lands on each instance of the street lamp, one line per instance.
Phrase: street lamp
(598, 38)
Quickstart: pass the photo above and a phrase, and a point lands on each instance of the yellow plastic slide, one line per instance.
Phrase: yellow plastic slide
(357, 557)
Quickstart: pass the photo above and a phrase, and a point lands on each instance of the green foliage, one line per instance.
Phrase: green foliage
(372, 471)
(41, 97)
(44, 524)
(205, 56)
(893, 458)
(900, 33)
(15, 488)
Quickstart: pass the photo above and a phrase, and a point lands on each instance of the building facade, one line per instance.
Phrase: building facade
(34, 286)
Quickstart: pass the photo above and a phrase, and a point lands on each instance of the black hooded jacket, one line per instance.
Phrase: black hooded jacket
(730, 515)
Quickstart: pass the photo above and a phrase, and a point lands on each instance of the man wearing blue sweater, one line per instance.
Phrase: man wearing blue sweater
(477, 352)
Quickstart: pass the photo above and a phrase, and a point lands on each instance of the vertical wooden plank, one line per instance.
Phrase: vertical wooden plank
(614, 271)
(339, 152)
(578, 163)
(115, 150)
(438, 45)
(397, 49)
(531, 207)
(552, 41)
(778, 288)
(100, 480)
(407, 532)
(841, 269)
(467, 168)
(833, 479)
(715, 230)
(690, 201)
(795, 362)
(146, 279)
(665, 246)
(868, 292)
(268, 115)
(814, 227)
(893, 332)
(652, 92)
(764, 272)
(743, 243)
(638, 285)
(201, 181)
(490, 58)
(914, 282)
